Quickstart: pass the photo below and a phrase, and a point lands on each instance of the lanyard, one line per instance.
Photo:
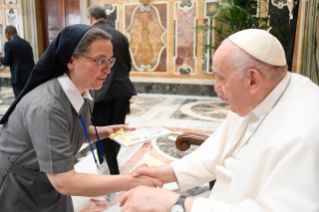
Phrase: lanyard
(97, 135)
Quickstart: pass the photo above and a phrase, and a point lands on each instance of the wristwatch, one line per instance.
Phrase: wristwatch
(179, 205)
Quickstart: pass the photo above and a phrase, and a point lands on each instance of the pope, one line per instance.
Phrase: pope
(265, 155)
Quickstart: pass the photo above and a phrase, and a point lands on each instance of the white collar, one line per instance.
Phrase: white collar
(269, 102)
(73, 93)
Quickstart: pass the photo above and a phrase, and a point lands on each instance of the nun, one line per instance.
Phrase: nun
(50, 120)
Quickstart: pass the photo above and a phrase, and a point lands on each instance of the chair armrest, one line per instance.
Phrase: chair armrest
(185, 140)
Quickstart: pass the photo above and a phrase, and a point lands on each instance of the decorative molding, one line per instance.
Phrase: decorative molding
(185, 5)
(11, 1)
(279, 3)
(208, 35)
(30, 26)
(291, 5)
(173, 80)
(145, 32)
(109, 8)
(185, 17)
(83, 9)
(185, 69)
(174, 89)
(112, 15)
(12, 18)
(1, 38)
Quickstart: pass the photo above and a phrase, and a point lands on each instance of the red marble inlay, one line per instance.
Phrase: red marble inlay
(185, 38)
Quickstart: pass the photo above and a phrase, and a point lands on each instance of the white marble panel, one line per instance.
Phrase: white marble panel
(12, 18)
(10, 1)
(2, 34)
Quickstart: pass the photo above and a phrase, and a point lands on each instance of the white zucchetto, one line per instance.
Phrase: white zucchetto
(260, 44)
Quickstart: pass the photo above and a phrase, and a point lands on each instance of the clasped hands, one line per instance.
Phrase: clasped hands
(148, 175)
(148, 199)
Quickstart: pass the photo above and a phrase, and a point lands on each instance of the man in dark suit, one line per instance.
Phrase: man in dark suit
(112, 100)
(19, 56)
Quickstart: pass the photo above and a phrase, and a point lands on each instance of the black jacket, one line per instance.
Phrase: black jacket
(117, 83)
(54, 60)
(19, 56)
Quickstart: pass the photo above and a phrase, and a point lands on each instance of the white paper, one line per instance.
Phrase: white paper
(140, 135)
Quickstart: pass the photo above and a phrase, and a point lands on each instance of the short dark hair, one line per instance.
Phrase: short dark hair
(97, 11)
(11, 30)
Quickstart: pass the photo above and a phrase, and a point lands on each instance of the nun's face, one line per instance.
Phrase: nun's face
(85, 72)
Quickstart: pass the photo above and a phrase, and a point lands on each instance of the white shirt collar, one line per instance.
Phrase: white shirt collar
(73, 93)
(269, 102)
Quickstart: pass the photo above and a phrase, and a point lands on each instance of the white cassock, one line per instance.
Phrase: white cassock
(265, 161)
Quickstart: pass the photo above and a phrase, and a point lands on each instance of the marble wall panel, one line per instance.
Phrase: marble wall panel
(308, 56)
(146, 29)
(208, 36)
(163, 43)
(2, 34)
(12, 18)
(279, 3)
(112, 15)
(175, 89)
(5, 82)
(185, 37)
(279, 20)
(10, 1)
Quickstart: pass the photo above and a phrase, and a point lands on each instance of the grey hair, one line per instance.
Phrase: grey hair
(93, 34)
(242, 61)
(97, 11)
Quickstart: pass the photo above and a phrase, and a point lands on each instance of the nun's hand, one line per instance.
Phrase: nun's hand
(133, 182)
(114, 128)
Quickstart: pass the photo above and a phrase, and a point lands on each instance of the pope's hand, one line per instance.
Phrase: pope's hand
(146, 199)
(143, 181)
(148, 171)
(144, 165)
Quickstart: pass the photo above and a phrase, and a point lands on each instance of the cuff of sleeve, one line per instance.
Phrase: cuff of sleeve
(191, 172)
(211, 205)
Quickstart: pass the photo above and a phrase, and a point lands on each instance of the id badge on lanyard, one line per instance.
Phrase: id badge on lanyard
(103, 168)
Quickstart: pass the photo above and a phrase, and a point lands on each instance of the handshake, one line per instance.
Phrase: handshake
(146, 197)
(152, 176)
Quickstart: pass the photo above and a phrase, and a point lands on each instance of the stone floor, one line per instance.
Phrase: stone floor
(176, 113)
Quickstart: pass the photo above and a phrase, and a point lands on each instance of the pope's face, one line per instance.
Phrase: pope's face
(87, 73)
(228, 85)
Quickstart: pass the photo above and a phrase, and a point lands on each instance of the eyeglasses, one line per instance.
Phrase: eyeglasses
(102, 62)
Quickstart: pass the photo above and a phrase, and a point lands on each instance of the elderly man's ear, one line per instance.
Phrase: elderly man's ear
(255, 80)
(90, 20)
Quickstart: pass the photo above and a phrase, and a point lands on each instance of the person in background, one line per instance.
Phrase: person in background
(18, 55)
(49, 121)
(265, 155)
(112, 101)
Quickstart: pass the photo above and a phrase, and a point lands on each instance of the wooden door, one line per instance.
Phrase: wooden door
(57, 14)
